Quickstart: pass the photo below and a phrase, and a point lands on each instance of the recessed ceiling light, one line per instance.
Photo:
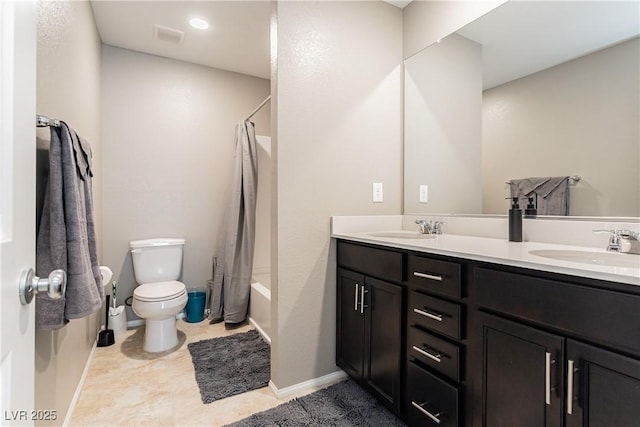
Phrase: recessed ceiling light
(199, 23)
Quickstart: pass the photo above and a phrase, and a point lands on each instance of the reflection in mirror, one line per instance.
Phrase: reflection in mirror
(532, 89)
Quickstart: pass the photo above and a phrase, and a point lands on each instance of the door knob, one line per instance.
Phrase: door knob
(30, 285)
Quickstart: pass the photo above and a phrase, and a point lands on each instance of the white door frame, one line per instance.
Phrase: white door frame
(18, 39)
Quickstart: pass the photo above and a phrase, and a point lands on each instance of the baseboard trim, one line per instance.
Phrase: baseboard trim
(262, 332)
(76, 395)
(286, 392)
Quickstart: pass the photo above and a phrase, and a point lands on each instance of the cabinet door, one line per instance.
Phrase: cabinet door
(521, 374)
(384, 339)
(350, 323)
(603, 388)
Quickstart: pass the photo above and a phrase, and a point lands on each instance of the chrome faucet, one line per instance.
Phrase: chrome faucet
(425, 227)
(431, 227)
(437, 227)
(618, 239)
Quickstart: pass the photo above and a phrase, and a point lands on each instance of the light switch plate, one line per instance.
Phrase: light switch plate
(377, 192)
(424, 194)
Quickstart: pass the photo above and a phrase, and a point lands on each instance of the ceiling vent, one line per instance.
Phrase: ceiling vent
(167, 34)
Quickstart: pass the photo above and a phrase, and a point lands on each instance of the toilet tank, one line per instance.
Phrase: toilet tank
(156, 260)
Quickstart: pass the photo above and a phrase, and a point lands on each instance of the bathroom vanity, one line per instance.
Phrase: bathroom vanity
(463, 331)
(371, 298)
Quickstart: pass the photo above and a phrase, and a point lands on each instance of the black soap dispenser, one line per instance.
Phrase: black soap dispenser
(530, 211)
(515, 221)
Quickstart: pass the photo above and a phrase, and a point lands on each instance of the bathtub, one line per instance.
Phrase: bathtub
(260, 308)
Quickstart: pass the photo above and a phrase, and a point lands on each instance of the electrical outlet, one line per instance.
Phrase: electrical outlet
(424, 194)
(377, 192)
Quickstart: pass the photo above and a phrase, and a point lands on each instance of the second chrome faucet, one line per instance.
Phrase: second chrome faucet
(624, 241)
(431, 227)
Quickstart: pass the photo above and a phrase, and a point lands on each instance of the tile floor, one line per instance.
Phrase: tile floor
(127, 387)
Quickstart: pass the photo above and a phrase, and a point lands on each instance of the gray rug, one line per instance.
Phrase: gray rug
(231, 365)
(344, 404)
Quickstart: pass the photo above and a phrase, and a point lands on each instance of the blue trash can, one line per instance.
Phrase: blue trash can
(194, 311)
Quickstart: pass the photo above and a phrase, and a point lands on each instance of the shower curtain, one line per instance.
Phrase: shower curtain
(232, 279)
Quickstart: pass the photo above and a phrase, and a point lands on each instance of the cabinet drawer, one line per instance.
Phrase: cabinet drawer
(590, 313)
(441, 277)
(435, 314)
(375, 262)
(434, 352)
(431, 401)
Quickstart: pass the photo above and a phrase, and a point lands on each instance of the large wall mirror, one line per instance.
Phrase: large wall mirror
(531, 89)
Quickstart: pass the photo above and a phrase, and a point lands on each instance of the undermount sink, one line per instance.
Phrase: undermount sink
(402, 234)
(611, 259)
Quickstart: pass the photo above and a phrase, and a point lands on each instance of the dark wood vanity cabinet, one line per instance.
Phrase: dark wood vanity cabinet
(521, 374)
(604, 388)
(400, 330)
(435, 342)
(369, 320)
(452, 342)
(351, 330)
(541, 353)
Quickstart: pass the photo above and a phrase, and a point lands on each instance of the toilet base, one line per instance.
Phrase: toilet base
(160, 335)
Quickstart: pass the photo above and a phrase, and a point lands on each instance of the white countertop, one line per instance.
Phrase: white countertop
(500, 251)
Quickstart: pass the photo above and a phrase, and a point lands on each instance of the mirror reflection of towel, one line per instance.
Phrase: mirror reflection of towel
(551, 193)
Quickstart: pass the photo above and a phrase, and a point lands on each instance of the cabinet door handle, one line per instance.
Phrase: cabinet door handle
(547, 378)
(437, 357)
(362, 306)
(427, 276)
(570, 371)
(434, 316)
(434, 417)
(355, 298)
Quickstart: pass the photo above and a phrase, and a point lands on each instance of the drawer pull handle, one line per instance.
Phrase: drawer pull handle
(570, 370)
(362, 306)
(434, 316)
(427, 276)
(427, 413)
(356, 299)
(547, 379)
(437, 357)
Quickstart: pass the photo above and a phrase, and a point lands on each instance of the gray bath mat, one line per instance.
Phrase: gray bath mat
(344, 404)
(230, 365)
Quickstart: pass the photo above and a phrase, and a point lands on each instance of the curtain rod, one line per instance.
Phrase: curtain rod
(258, 108)
(44, 121)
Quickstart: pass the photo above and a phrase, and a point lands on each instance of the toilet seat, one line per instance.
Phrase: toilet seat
(159, 291)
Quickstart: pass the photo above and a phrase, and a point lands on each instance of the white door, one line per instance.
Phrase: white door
(17, 207)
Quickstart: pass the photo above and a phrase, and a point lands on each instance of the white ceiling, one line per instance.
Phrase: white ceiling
(399, 3)
(237, 39)
(522, 37)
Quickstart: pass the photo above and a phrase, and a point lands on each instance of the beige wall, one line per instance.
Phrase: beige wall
(426, 21)
(262, 252)
(68, 88)
(442, 127)
(168, 137)
(577, 118)
(339, 129)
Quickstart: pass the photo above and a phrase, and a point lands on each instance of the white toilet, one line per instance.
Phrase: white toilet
(159, 297)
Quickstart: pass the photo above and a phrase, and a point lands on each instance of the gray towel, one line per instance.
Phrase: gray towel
(551, 193)
(66, 238)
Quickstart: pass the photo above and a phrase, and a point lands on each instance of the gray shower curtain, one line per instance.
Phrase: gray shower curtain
(232, 279)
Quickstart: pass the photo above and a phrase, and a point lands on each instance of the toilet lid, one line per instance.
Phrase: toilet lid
(159, 291)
